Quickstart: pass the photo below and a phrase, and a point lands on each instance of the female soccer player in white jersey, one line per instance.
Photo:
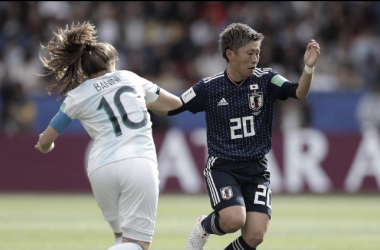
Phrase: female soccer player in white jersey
(111, 106)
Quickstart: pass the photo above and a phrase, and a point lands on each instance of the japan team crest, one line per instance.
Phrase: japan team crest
(226, 193)
(256, 101)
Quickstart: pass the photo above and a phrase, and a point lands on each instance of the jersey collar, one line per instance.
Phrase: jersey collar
(233, 82)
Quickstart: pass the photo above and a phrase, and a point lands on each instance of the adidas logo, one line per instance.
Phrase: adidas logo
(222, 102)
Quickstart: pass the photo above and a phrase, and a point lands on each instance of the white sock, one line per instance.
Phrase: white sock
(118, 239)
(126, 246)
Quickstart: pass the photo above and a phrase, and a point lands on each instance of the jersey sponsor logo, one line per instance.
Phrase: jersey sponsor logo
(188, 95)
(256, 101)
(222, 102)
(226, 193)
(278, 80)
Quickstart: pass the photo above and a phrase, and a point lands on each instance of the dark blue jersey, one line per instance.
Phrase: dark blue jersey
(239, 118)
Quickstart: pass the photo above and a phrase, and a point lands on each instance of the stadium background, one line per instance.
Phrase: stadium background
(327, 143)
(325, 161)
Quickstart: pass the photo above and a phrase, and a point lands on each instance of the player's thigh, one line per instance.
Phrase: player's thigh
(223, 189)
(106, 189)
(140, 186)
(139, 198)
(258, 197)
(256, 225)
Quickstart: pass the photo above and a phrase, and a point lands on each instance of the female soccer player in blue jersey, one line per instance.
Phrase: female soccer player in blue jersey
(238, 103)
(110, 104)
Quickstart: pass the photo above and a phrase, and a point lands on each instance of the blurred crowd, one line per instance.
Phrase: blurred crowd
(175, 44)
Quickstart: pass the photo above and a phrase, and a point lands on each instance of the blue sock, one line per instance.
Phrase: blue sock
(211, 224)
(239, 243)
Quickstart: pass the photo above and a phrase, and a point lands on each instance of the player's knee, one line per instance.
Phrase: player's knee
(234, 226)
(255, 239)
(232, 219)
(232, 223)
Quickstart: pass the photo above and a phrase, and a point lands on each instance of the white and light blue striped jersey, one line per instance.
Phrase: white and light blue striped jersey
(112, 110)
(239, 117)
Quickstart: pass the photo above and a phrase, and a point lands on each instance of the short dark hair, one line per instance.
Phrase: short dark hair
(235, 36)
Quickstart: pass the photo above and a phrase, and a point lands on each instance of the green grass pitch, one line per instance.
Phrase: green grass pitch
(299, 222)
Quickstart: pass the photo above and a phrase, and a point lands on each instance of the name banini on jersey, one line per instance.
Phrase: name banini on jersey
(112, 110)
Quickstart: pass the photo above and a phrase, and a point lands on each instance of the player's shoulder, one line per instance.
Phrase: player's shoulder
(78, 90)
(133, 78)
(213, 78)
(264, 72)
(126, 74)
(270, 76)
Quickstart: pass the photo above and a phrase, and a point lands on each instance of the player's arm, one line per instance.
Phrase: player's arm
(192, 100)
(56, 127)
(310, 59)
(164, 103)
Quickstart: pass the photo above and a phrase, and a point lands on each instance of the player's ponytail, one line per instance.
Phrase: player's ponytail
(74, 54)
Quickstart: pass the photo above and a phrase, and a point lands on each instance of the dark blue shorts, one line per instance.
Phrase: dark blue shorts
(239, 183)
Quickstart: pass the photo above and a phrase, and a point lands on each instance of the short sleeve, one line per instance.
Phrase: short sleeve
(152, 90)
(70, 107)
(194, 99)
(281, 88)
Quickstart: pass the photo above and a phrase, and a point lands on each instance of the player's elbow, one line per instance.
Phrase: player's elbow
(302, 96)
(175, 104)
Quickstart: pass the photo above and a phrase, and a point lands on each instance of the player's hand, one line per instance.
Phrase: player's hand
(312, 53)
(39, 148)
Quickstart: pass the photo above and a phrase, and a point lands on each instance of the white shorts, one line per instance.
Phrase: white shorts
(127, 191)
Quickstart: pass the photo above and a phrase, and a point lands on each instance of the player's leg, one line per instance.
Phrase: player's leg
(226, 199)
(138, 200)
(256, 227)
(231, 219)
(253, 232)
(106, 190)
(228, 204)
(259, 201)
(118, 237)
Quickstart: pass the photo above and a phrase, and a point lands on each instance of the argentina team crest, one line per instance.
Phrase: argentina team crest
(226, 193)
(256, 101)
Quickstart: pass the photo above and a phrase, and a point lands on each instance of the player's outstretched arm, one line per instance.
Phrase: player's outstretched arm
(165, 102)
(311, 56)
(46, 140)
